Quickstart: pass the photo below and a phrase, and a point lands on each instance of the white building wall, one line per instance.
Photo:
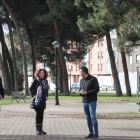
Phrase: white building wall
(133, 82)
(104, 80)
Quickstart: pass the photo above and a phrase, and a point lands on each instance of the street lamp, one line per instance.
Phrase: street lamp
(70, 78)
(56, 45)
(44, 59)
(137, 68)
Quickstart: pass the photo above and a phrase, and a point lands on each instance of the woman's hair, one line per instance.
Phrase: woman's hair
(38, 71)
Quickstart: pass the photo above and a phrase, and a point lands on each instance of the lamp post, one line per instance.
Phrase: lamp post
(137, 68)
(44, 59)
(70, 78)
(56, 45)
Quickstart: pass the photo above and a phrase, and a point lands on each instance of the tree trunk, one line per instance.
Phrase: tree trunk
(21, 46)
(10, 62)
(126, 76)
(33, 46)
(4, 62)
(13, 55)
(113, 66)
(60, 77)
(60, 52)
(125, 69)
(5, 84)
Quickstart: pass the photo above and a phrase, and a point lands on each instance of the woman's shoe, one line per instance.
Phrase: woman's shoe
(44, 133)
(38, 129)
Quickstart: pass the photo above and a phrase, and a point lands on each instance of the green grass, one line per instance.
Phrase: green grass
(7, 100)
(117, 115)
(102, 98)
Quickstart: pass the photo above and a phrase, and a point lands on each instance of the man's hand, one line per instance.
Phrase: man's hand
(83, 92)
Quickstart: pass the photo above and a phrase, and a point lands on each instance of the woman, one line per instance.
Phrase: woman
(1, 90)
(39, 93)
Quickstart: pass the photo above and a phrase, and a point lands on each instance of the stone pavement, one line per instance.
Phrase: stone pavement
(17, 122)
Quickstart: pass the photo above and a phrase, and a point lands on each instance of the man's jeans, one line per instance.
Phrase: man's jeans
(90, 112)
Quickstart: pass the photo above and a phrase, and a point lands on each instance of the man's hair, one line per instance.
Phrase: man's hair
(84, 69)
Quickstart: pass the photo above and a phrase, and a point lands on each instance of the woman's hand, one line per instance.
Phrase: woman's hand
(1, 97)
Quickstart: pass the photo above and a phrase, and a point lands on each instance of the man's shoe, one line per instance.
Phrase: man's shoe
(95, 136)
(89, 136)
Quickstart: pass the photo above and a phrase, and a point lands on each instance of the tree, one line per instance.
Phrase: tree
(100, 21)
(21, 45)
(66, 30)
(4, 62)
(13, 54)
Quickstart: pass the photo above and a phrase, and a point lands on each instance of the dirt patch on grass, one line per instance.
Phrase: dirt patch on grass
(118, 115)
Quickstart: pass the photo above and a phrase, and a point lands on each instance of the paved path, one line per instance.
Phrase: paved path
(17, 122)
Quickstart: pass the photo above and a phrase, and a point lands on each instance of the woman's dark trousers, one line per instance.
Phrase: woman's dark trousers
(39, 120)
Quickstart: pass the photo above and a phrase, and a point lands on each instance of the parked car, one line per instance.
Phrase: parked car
(75, 86)
(110, 87)
(104, 87)
(107, 87)
(100, 87)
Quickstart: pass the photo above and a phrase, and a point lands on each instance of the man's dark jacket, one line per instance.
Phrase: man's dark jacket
(91, 86)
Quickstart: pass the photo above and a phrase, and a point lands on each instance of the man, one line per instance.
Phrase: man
(89, 88)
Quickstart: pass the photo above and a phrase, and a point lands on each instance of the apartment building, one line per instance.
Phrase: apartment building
(97, 61)
(133, 63)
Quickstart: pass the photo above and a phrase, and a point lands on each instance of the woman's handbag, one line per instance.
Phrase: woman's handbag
(32, 103)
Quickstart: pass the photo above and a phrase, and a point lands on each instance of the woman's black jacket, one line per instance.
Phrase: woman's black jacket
(33, 90)
(1, 88)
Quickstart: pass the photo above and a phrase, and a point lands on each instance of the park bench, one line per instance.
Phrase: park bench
(17, 96)
(139, 105)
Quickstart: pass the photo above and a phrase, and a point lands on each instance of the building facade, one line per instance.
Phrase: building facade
(97, 61)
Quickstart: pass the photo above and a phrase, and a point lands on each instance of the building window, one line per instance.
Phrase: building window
(91, 67)
(102, 55)
(113, 41)
(115, 54)
(98, 55)
(92, 45)
(108, 67)
(137, 58)
(71, 67)
(79, 66)
(99, 43)
(102, 43)
(91, 55)
(76, 67)
(102, 67)
(107, 55)
(106, 43)
(113, 32)
(98, 67)
(130, 59)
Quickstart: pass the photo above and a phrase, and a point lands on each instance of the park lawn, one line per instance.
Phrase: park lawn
(102, 98)
(7, 100)
(117, 115)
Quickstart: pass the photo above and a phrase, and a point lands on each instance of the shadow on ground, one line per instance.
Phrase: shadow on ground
(63, 137)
